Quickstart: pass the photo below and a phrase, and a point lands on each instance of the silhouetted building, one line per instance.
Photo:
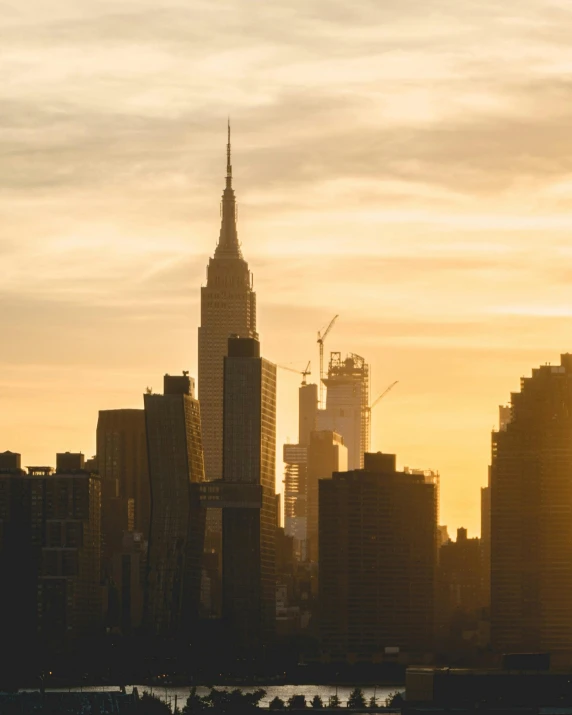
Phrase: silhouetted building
(486, 541)
(531, 516)
(460, 593)
(66, 525)
(249, 475)
(228, 307)
(326, 454)
(19, 561)
(129, 571)
(122, 466)
(347, 405)
(176, 538)
(378, 557)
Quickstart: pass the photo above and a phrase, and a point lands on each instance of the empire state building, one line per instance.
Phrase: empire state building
(228, 307)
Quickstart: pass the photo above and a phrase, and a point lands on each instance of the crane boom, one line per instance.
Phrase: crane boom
(304, 373)
(383, 394)
(321, 338)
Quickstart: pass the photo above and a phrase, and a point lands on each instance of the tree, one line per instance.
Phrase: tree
(373, 702)
(152, 705)
(297, 702)
(276, 704)
(394, 700)
(334, 701)
(317, 702)
(195, 704)
(234, 701)
(356, 699)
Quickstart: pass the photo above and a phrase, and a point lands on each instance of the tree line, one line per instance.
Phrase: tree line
(244, 703)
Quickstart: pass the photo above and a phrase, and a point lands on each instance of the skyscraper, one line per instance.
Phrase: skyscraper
(249, 480)
(378, 556)
(176, 538)
(122, 467)
(531, 516)
(347, 405)
(228, 307)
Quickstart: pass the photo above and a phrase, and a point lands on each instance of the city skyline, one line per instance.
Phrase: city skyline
(374, 189)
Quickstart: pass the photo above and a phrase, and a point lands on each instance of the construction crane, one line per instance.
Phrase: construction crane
(383, 394)
(321, 338)
(304, 373)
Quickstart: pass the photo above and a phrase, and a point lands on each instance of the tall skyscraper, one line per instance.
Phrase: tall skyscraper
(531, 516)
(249, 480)
(378, 557)
(228, 307)
(347, 405)
(176, 538)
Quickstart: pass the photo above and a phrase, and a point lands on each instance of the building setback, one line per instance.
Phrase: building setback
(347, 405)
(249, 476)
(531, 516)
(378, 552)
(176, 538)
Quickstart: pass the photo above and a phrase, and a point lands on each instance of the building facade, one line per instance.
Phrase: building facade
(347, 405)
(122, 467)
(326, 454)
(378, 558)
(176, 538)
(531, 516)
(249, 480)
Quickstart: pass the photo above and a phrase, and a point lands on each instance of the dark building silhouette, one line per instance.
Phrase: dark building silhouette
(249, 476)
(122, 466)
(531, 516)
(228, 307)
(66, 527)
(326, 454)
(129, 571)
(176, 539)
(460, 595)
(378, 558)
(49, 553)
(19, 561)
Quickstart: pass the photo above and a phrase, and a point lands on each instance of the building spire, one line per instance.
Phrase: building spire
(228, 245)
(228, 164)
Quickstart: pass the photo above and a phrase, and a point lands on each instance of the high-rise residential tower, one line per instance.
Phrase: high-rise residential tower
(176, 538)
(378, 557)
(228, 307)
(249, 483)
(531, 516)
(122, 467)
(347, 405)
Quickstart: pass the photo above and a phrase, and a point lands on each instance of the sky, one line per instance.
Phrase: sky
(404, 164)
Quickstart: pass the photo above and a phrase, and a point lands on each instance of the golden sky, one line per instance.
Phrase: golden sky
(403, 163)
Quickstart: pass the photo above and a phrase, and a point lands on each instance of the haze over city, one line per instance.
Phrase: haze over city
(386, 169)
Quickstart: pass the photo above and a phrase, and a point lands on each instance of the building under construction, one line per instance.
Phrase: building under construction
(347, 409)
